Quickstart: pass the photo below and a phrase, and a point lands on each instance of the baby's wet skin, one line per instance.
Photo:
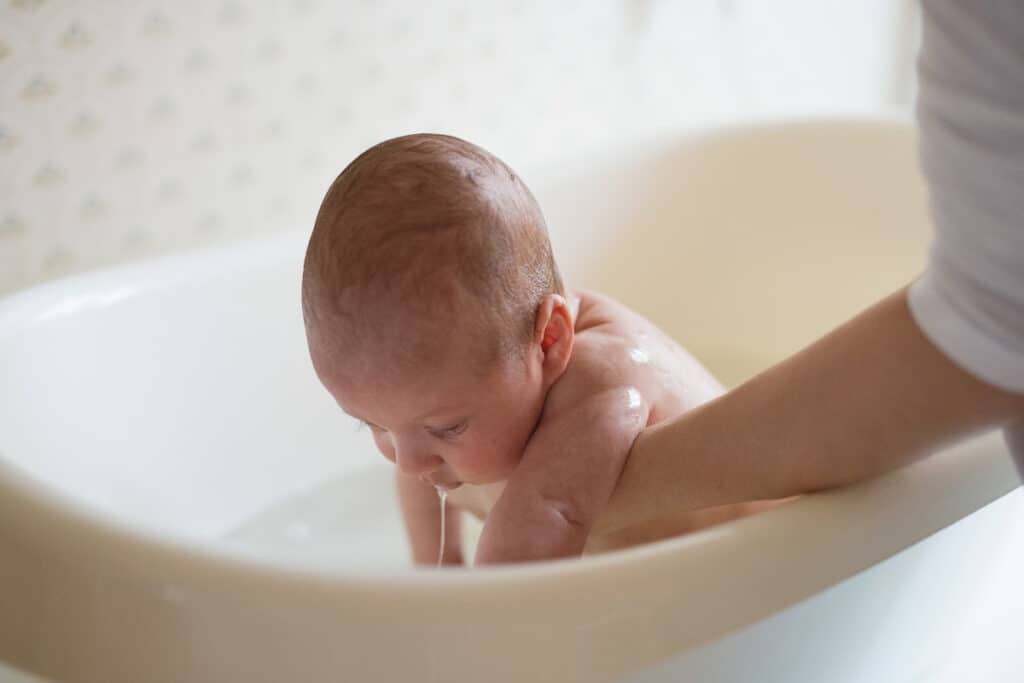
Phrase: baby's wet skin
(436, 314)
(613, 341)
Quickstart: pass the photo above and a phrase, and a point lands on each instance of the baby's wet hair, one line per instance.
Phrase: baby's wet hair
(427, 223)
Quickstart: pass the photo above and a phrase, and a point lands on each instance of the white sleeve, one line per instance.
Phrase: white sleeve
(970, 301)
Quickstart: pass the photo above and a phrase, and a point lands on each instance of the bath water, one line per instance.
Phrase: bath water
(350, 522)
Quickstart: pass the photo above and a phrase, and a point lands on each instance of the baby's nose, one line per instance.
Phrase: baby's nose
(417, 461)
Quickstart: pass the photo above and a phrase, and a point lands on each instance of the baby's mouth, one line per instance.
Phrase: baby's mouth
(442, 485)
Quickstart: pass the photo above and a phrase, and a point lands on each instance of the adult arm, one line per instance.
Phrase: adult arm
(917, 370)
(871, 396)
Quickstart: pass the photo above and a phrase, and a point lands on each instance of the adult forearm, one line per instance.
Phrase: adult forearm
(871, 396)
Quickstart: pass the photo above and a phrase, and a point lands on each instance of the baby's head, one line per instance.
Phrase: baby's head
(434, 309)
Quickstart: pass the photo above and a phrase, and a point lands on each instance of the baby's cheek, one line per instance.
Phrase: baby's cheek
(511, 459)
(464, 460)
(491, 461)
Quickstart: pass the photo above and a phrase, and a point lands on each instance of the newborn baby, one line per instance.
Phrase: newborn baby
(436, 315)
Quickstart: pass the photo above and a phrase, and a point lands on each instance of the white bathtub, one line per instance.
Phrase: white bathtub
(180, 501)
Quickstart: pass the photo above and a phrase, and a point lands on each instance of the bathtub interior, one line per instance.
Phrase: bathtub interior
(747, 244)
(180, 403)
(177, 396)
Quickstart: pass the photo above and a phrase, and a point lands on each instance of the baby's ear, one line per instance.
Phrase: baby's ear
(555, 332)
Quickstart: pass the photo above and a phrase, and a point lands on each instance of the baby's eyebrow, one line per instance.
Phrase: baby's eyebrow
(445, 411)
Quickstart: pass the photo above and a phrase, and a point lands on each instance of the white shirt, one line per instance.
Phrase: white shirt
(970, 301)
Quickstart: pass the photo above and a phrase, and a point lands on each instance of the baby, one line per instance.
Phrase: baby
(435, 314)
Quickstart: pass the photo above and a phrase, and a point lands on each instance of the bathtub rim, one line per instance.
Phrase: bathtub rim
(60, 522)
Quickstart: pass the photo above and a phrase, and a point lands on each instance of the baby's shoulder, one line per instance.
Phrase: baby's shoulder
(618, 348)
(605, 333)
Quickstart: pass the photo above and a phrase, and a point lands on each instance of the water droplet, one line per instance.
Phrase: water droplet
(442, 494)
(639, 355)
(633, 398)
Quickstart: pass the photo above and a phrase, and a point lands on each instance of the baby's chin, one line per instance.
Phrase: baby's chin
(485, 477)
(452, 484)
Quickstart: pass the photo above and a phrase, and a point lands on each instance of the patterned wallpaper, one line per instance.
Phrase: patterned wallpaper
(130, 128)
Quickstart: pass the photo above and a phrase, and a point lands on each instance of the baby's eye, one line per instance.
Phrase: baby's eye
(450, 431)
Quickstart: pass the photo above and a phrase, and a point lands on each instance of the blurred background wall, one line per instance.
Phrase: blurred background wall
(134, 128)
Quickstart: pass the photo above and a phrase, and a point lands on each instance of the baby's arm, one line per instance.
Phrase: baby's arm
(421, 510)
(566, 476)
